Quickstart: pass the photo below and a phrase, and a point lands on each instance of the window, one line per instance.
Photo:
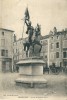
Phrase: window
(65, 63)
(41, 41)
(52, 45)
(45, 56)
(3, 42)
(57, 54)
(2, 52)
(65, 43)
(3, 33)
(64, 35)
(52, 38)
(6, 52)
(57, 45)
(64, 55)
(16, 50)
(57, 37)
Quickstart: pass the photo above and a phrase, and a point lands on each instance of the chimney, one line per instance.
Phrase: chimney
(14, 38)
(54, 30)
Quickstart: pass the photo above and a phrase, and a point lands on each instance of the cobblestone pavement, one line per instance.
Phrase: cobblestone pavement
(56, 87)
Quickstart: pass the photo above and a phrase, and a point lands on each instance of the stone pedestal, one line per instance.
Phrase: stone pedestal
(31, 71)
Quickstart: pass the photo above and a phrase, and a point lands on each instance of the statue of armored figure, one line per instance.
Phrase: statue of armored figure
(34, 35)
(30, 30)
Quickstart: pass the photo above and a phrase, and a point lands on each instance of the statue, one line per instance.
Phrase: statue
(30, 30)
(33, 35)
(31, 67)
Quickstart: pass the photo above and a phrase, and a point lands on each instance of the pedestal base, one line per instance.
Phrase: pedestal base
(31, 81)
(31, 72)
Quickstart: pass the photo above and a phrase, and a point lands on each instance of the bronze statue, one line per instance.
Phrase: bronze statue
(30, 30)
(33, 35)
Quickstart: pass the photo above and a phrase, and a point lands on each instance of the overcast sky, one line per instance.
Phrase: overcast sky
(48, 13)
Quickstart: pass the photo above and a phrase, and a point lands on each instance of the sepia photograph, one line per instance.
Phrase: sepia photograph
(33, 49)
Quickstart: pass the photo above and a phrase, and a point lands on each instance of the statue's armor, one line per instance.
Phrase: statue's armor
(30, 32)
(33, 43)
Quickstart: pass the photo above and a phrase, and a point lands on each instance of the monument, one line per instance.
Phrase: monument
(31, 67)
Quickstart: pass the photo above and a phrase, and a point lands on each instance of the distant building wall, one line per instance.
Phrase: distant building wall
(6, 49)
(57, 43)
(64, 48)
(45, 49)
(55, 49)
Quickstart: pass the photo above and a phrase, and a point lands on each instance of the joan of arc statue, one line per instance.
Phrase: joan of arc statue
(33, 34)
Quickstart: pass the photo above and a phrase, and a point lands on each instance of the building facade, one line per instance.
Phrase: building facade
(58, 48)
(64, 48)
(45, 49)
(18, 51)
(6, 49)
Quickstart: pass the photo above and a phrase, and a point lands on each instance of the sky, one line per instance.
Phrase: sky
(48, 13)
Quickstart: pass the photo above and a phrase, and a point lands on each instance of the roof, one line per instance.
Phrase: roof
(42, 37)
(6, 29)
(59, 33)
(21, 39)
(45, 37)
